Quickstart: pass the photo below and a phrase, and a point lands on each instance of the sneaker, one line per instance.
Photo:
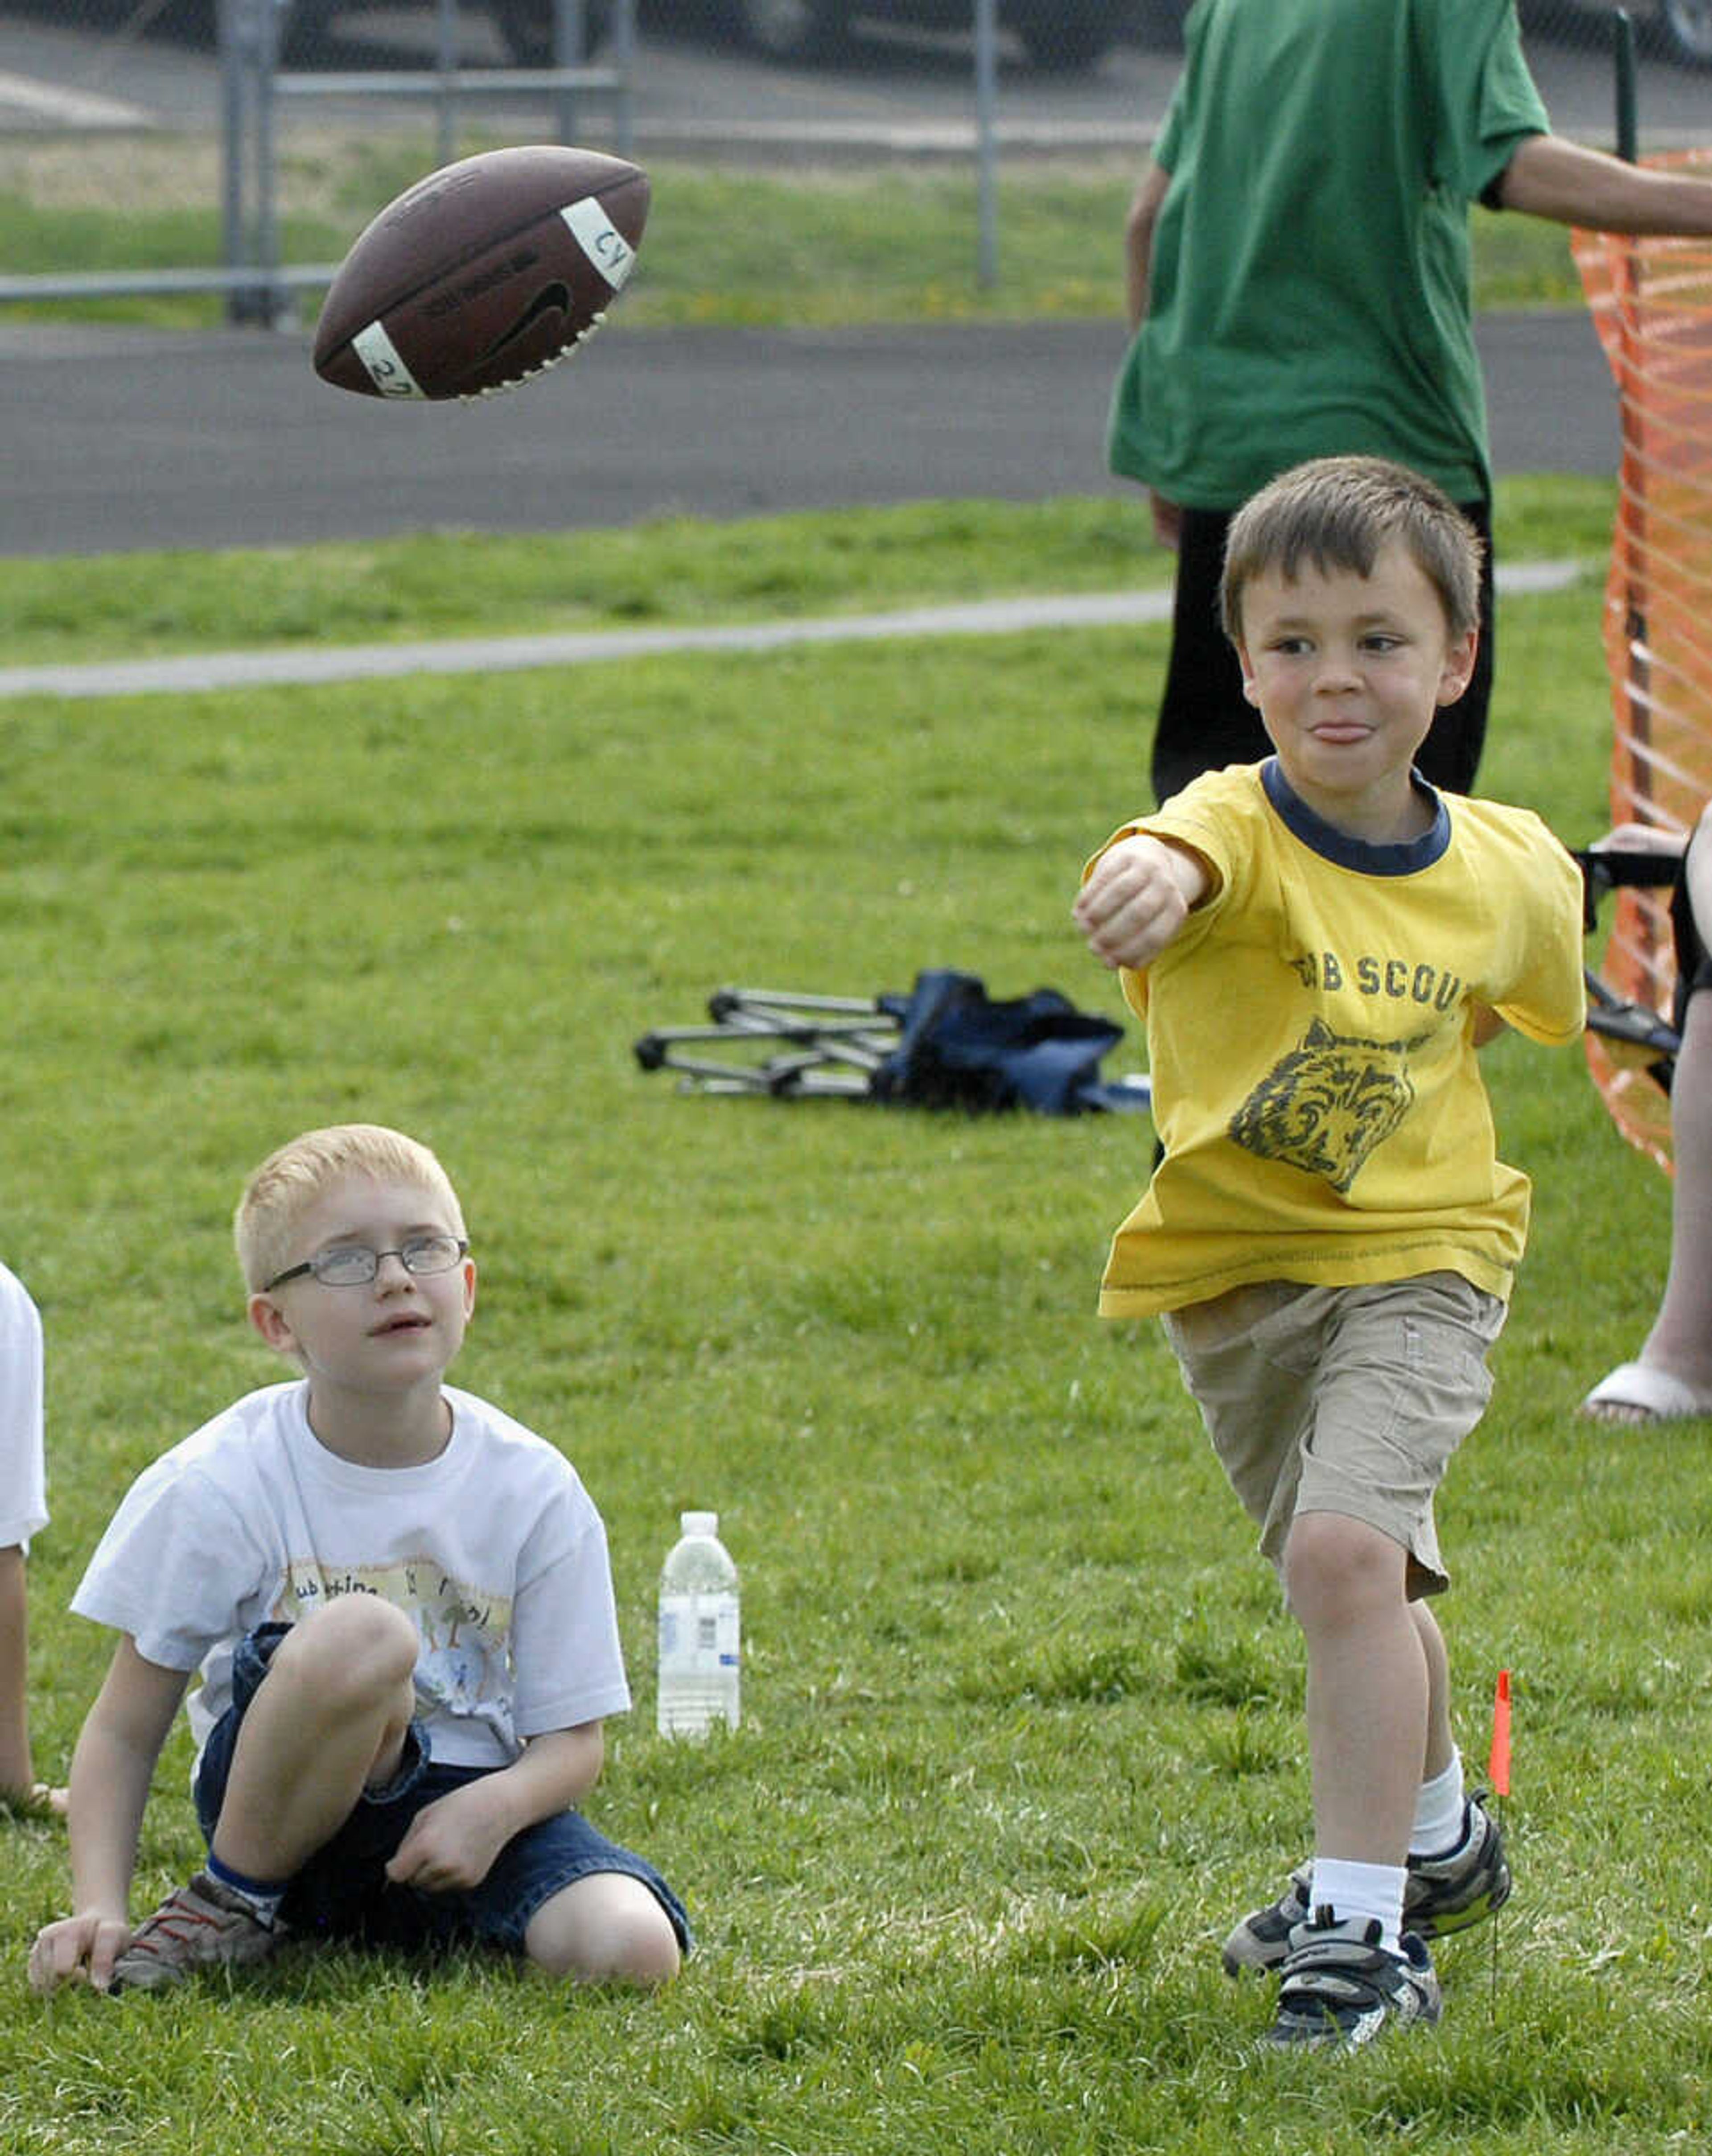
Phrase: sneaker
(201, 1926)
(1443, 1894)
(1340, 1987)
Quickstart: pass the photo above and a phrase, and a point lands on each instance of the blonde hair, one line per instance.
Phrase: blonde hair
(289, 1181)
(1338, 512)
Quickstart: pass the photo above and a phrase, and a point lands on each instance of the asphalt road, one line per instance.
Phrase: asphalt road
(116, 440)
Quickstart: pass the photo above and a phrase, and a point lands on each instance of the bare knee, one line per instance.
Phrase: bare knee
(357, 1650)
(1340, 1572)
(605, 1928)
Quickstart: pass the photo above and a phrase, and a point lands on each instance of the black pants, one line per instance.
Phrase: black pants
(1205, 722)
(1694, 960)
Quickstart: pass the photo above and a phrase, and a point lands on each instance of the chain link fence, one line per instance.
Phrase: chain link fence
(1674, 31)
(263, 134)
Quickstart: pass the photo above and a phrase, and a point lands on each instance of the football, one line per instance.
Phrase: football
(482, 274)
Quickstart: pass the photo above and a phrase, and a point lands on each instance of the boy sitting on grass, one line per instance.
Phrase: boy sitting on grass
(400, 1604)
(1319, 943)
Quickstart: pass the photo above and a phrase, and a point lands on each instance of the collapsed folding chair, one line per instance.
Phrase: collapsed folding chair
(945, 1044)
(777, 1042)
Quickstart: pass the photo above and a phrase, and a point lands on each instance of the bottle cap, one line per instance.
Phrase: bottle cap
(699, 1523)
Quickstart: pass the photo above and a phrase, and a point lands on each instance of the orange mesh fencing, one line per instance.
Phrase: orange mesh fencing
(1652, 305)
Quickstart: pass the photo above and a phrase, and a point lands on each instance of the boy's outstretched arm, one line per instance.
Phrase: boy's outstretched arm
(110, 1772)
(1137, 898)
(452, 1843)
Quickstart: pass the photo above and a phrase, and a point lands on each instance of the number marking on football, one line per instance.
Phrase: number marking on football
(600, 240)
(380, 356)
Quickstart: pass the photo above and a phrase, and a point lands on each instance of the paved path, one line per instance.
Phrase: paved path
(298, 666)
(116, 440)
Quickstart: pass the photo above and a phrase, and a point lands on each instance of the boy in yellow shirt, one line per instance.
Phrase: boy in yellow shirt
(1318, 944)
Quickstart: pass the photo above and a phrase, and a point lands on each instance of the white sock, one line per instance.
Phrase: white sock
(1439, 1822)
(1355, 1893)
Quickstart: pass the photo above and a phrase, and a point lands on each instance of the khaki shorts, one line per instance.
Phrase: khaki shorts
(1344, 1400)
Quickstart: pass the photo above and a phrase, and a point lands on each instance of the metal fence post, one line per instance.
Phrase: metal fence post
(570, 49)
(248, 51)
(234, 239)
(624, 65)
(986, 145)
(1622, 28)
(276, 304)
(446, 65)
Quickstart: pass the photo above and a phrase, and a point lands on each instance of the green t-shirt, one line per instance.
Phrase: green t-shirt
(1309, 281)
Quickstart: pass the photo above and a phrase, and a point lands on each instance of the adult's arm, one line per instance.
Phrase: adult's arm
(1550, 177)
(1138, 270)
(1138, 240)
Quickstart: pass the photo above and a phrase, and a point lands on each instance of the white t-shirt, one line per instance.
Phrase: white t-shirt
(23, 1508)
(495, 1549)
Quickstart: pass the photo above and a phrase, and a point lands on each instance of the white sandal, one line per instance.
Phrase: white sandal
(1640, 1392)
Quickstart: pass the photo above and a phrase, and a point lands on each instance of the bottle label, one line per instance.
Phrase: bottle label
(699, 1632)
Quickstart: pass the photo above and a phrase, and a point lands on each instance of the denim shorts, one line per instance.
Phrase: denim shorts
(343, 1892)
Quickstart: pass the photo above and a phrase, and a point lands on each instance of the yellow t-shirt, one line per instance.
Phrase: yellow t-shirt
(1310, 1034)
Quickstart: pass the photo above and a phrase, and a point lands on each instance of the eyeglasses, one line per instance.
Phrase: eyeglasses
(354, 1265)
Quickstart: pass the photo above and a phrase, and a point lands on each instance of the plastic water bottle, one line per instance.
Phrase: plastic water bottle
(699, 1632)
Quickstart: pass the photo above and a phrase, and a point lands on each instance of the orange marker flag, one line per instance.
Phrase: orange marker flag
(1498, 1766)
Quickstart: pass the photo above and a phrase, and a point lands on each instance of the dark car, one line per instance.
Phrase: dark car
(526, 27)
(1055, 34)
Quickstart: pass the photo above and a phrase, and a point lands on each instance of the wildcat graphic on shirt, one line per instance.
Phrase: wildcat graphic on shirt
(1329, 1104)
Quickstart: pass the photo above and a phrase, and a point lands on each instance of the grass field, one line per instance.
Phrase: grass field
(676, 572)
(1023, 1719)
(808, 246)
